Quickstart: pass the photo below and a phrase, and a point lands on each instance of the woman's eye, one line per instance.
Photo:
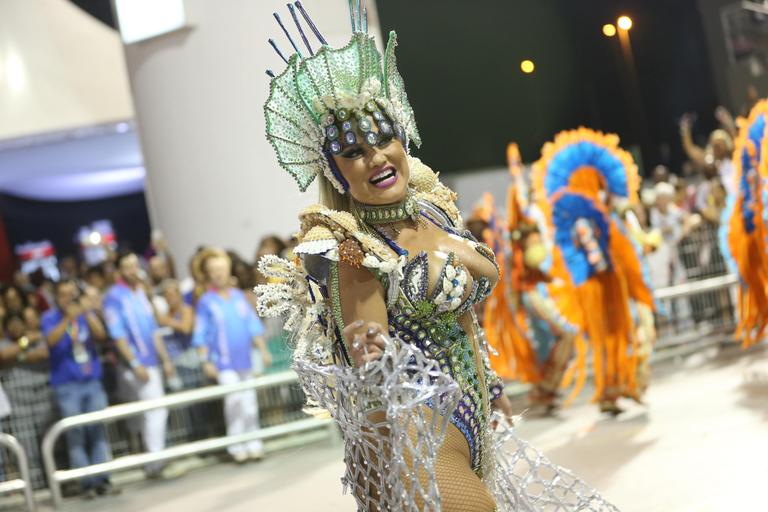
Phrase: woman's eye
(352, 153)
(385, 142)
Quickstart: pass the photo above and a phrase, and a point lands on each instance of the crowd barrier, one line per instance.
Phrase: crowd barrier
(24, 482)
(57, 476)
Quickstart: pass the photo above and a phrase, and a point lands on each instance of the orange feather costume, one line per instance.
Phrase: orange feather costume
(585, 183)
(743, 227)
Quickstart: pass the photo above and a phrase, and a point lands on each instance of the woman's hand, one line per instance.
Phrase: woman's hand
(366, 342)
(686, 123)
(266, 358)
(504, 406)
(142, 374)
(169, 370)
(210, 371)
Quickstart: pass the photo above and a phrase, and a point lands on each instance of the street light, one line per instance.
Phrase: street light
(527, 66)
(624, 23)
(609, 30)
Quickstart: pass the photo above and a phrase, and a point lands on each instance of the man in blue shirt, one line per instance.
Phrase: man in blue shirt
(70, 329)
(131, 323)
(226, 329)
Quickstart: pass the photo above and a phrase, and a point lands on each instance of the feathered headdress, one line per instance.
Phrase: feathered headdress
(587, 162)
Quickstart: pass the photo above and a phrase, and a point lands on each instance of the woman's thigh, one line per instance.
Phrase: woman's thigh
(461, 490)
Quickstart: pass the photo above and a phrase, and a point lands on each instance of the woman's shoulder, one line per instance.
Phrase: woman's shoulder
(338, 237)
(429, 189)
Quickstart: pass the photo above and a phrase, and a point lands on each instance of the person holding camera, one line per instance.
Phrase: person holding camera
(72, 328)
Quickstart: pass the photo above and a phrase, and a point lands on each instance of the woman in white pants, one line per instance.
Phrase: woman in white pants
(226, 329)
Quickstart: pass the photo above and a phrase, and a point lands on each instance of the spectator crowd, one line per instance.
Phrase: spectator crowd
(126, 330)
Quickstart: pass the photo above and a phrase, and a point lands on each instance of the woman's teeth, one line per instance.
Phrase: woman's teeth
(385, 178)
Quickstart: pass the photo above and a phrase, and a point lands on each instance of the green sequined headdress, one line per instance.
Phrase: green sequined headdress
(315, 91)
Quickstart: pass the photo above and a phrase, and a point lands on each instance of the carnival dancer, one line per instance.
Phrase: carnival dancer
(743, 227)
(586, 185)
(533, 343)
(381, 305)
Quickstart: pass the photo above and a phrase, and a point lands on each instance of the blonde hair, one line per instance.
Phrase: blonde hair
(169, 284)
(723, 136)
(664, 190)
(332, 198)
(204, 256)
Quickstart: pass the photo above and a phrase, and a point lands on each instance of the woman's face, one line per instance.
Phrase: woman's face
(32, 319)
(378, 174)
(218, 271)
(535, 252)
(16, 328)
(173, 297)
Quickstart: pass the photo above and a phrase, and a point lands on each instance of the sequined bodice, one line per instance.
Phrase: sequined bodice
(431, 322)
(450, 288)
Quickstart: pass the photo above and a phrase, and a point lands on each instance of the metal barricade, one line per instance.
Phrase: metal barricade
(114, 413)
(19, 484)
(700, 255)
(681, 322)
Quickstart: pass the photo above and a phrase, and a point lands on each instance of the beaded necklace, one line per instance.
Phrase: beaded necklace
(389, 213)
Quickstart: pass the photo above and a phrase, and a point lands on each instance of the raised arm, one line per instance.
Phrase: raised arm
(726, 120)
(55, 332)
(695, 153)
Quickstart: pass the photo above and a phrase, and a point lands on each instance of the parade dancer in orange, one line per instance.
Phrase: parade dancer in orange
(743, 227)
(533, 341)
(586, 185)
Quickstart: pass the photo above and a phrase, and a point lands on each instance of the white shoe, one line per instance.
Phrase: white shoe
(256, 453)
(240, 457)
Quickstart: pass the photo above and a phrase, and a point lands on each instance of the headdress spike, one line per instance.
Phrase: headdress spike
(298, 26)
(287, 34)
(274, 45)
(270, 74)
(352, 17)
(359, 14)
(310, 22)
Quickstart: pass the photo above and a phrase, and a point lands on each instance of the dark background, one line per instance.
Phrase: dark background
(461, 63)
(59, 221)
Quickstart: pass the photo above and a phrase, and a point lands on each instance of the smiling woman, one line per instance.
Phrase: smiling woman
(381, 305)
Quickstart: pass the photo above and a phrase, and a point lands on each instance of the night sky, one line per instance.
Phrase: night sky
(461, 62)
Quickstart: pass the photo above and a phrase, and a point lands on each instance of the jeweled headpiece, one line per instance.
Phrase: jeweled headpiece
(312, 103)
